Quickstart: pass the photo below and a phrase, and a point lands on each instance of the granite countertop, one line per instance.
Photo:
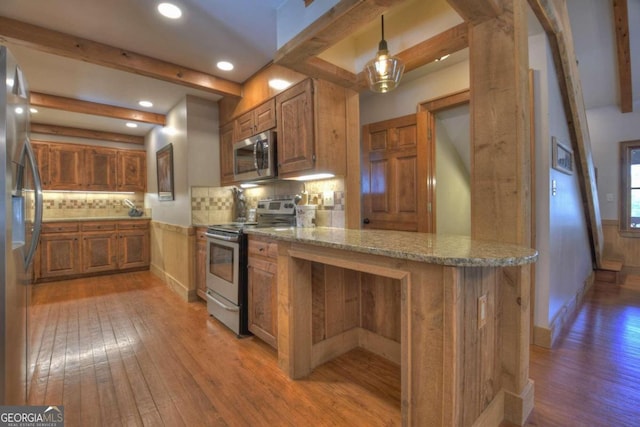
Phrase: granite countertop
(458, 251)
(97, 218)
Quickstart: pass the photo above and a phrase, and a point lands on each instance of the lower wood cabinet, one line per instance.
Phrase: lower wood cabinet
(201, 262)
(74, 249)
(263, 289)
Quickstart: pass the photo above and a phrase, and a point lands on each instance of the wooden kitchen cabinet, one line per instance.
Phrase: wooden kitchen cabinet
(74, 249)
(59, 248)
(226, 154)
(257, 120)
(263, 289)
(312, 128)
(100, 168)
(201, 262)
(133, 245)
(66, 167)
(41, 154)
(132, 170)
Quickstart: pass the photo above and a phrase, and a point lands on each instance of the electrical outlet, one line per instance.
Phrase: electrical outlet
(327, 198)
(482, 311)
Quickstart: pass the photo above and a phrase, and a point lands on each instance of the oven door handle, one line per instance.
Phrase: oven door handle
(214, 299)
(219, 237)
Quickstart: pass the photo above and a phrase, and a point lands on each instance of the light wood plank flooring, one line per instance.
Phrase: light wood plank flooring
(124, 350)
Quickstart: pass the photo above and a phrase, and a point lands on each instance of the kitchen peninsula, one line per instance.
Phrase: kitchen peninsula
(443, 307)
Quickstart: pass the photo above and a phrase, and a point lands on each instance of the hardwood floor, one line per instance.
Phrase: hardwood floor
(124, 350)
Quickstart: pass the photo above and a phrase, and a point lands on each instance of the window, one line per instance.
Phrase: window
(630, 187)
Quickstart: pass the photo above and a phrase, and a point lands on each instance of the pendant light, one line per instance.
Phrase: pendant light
(384, 71)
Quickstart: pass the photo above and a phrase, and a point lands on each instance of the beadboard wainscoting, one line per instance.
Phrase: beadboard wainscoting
(173, 257)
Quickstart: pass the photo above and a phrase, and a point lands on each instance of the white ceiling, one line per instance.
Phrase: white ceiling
(243, 32)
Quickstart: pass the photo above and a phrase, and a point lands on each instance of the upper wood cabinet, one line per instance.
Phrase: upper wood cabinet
(256, 120)
(66, 167)
(226, 154)
(90, 168)
(312, 129)
(100, 168)
(132, 170)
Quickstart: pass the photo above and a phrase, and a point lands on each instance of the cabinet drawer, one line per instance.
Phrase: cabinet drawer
(60, 227)
(264, 248)
(133, 225)
(98, 226)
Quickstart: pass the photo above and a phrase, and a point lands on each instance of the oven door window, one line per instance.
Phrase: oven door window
(222, 274)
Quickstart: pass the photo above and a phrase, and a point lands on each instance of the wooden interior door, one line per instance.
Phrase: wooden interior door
(397, 174)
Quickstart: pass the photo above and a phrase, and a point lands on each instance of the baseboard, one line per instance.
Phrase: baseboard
(518, 407)
(546, 337)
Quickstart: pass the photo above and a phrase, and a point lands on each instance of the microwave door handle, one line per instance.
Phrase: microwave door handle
(255, 157)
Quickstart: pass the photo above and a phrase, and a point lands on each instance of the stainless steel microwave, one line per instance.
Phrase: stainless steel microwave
(254, 157)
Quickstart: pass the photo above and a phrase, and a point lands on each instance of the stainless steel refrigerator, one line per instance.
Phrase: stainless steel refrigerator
(20, 222)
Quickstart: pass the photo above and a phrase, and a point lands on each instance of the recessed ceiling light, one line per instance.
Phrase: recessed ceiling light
(131, 125)
(442, 58)
(225, 65)
(147, 104)
(19, 110)
(169, 10)
(33, 110)
(279, 84)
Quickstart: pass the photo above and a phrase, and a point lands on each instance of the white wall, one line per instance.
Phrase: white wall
(607, 128)
(194, 139)
(293, 17)
(562, 240)
(453, 189)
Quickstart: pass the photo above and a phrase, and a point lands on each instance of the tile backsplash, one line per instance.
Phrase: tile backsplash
(59, 204)
(215, 205)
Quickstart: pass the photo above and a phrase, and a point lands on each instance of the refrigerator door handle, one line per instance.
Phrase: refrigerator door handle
(37, 226)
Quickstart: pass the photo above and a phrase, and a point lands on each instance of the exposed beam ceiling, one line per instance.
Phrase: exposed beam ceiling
(86, 107)
(62, 44)
(474, 11)
(46, 129)
(621, 20)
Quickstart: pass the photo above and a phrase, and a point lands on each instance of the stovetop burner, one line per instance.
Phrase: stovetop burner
(271, 213)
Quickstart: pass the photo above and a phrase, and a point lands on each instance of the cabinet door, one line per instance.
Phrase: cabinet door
(263, 302)
(226, 154)
(133, 249)
(245, 126)
(201, 263)
(132, 171)
(264, 116)
(65, 166)
(100, 169)
(41, 153)
(99, 251)
(295, 128)
(60, 255)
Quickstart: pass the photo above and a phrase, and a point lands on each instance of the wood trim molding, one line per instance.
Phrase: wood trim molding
(62, 44)
(47, 129)
(85, 107)
(621, 21)
(447, 101)
(554, 18)
(476, 11)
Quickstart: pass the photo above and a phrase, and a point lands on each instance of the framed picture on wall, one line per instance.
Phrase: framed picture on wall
(164, 164)
(562, 157)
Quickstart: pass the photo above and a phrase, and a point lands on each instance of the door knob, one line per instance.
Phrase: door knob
(365, 221)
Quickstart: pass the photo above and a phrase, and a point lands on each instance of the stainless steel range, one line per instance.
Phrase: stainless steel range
(227, 262)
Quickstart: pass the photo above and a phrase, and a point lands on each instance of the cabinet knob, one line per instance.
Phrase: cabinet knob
(366, 221)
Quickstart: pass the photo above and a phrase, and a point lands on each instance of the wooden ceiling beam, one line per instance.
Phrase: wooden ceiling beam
(476, 11)
(447, 42)
(62, 44)
(47, 129)
(340, 21)
(621, 21)
(85, 107)
(554, 18)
